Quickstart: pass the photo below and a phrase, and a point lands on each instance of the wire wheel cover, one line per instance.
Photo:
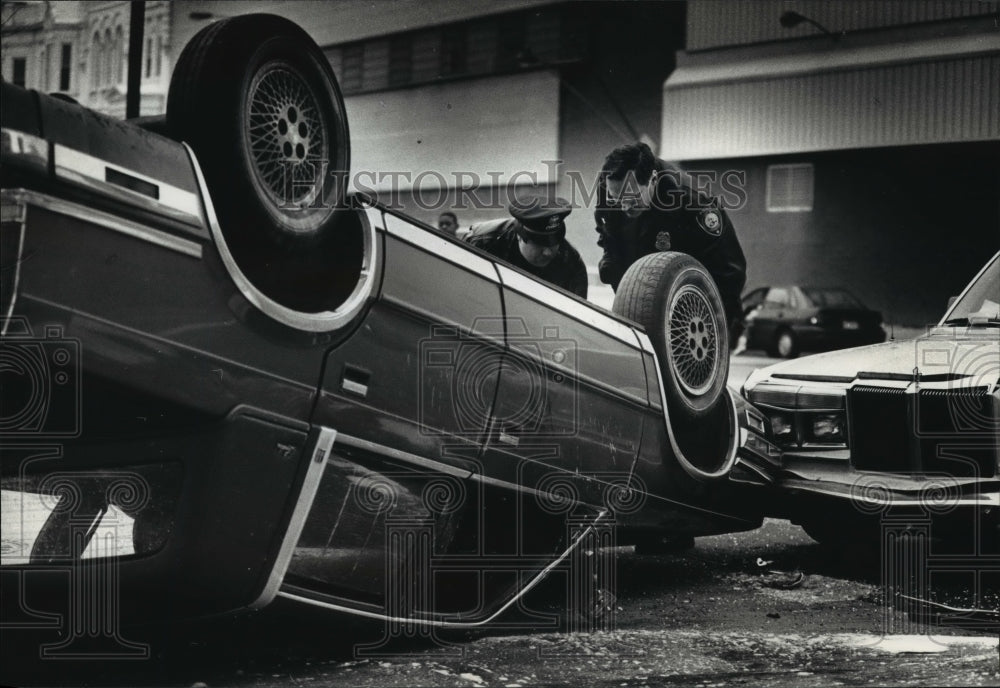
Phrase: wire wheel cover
(287, 136)
(693, 340)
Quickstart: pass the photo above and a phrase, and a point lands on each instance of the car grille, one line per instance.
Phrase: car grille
(949, 432)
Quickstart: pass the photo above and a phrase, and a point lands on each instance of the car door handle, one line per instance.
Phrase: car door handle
(355, 380)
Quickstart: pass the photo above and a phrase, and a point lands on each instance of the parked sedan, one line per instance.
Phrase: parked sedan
(895, 436)
(226, 381)
(788, 319)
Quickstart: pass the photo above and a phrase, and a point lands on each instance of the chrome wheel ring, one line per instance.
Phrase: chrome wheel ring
(287, 137)
(692, 340)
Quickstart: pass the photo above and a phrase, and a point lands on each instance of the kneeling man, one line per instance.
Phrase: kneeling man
(534, 239)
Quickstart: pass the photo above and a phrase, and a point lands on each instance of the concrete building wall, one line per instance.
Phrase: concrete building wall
(611, 98)
(719, 23)
(342, 21)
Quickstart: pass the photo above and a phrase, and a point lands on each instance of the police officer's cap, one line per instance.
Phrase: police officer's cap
(541, 218)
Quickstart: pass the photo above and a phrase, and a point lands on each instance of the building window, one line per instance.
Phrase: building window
(375, 65)
(46, 68)
(109, 59)
(453, 50)
(488, 45)
(65, 66)
(149, 57)
(790, 188)
(351, 67)
(157, 53)
(119, 55)
(20, 65)
(400, 60)
(95, 56)
(511, 49)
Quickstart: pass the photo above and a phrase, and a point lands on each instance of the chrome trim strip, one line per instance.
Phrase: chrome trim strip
(399, 455)
(685, 463)
(106, 220)
(431, 464)
(756, 470)
(584, 312)
(307, 322)
(26, 148)
(455, 624)
(88, 170)
(19, 217)
(982, 500)
(428, 241)
(303, 505)
(644, 342)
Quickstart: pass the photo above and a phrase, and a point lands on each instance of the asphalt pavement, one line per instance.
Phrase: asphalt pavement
(768, 607)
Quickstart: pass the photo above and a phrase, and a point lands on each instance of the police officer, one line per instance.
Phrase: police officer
(534, 239)
(643, 208)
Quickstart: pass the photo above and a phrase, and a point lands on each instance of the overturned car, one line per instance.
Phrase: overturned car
(905, 433)
(232, 382)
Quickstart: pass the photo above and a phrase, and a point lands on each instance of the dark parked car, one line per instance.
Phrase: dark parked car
(235, 382)
(903, 434)
(789, 319)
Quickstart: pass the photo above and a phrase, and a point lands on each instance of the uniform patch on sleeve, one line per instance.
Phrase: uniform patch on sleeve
(711, 221)
(662, 242)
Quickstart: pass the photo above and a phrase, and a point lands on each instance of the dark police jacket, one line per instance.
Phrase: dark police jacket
(679, 219)
(499, 238)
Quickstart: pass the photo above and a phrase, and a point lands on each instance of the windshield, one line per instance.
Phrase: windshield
(831, 298)
(982, 300)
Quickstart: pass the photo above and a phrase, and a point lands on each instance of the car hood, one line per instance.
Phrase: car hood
(944, 354)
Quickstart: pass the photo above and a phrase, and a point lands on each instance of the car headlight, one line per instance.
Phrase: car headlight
(782, 426)
(828, 428)
(802, 416)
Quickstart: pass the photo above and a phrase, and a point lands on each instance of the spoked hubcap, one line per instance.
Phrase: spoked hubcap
(693, 340)
(287, 136)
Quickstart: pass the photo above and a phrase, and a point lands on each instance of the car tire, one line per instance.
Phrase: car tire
(674, 297)
(257, 101)
(785, 344)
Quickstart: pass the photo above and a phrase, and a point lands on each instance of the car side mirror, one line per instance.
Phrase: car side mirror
(951, 301)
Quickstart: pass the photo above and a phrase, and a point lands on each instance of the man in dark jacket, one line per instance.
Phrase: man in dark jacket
(644, 208)
(534, 239)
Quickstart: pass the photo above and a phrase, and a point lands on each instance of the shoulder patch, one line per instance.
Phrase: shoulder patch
(662, 242)
(710, 221)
